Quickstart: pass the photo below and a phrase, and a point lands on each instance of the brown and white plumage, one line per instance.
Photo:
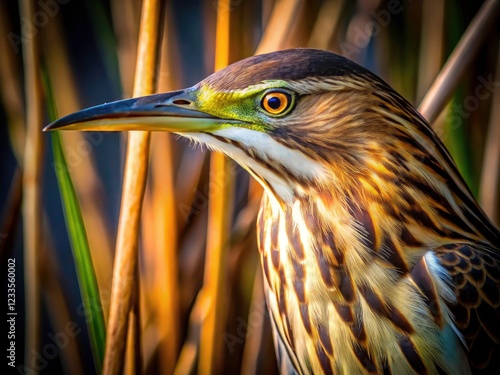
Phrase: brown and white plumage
(376, 257)
(374, 272)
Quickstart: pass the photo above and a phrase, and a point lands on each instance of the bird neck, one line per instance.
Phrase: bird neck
(332, 266)
(391, 209)
(333, 228)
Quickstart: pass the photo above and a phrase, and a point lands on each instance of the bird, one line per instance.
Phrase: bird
(376, 257)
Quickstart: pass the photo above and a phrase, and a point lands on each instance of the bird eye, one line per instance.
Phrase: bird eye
(276, 102)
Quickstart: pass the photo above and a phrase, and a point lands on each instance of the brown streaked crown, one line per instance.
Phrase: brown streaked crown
(289, 65)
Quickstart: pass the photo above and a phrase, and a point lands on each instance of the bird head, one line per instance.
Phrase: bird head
(295, 119)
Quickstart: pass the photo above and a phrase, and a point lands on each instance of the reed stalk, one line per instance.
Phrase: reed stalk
(136, 166)
(32, 204)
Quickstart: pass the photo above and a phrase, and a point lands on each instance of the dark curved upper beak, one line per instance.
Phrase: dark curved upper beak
(173, 112)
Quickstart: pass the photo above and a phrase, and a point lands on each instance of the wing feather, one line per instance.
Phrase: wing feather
(475, 271)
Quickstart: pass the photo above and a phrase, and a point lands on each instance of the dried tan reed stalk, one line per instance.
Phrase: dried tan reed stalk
(220, 211)
(136, 165)
(33, 157)
(463, 54)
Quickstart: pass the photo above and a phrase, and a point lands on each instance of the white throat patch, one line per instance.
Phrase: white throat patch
(270, 151)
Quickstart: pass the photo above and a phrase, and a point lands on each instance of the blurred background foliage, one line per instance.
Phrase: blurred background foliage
(87, 51)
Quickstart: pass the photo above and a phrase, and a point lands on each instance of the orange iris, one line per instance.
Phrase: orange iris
(275, 102)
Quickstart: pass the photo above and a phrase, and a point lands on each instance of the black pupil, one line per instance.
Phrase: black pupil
(274, 102)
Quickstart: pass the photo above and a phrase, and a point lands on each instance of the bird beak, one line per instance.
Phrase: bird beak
(172, 112)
